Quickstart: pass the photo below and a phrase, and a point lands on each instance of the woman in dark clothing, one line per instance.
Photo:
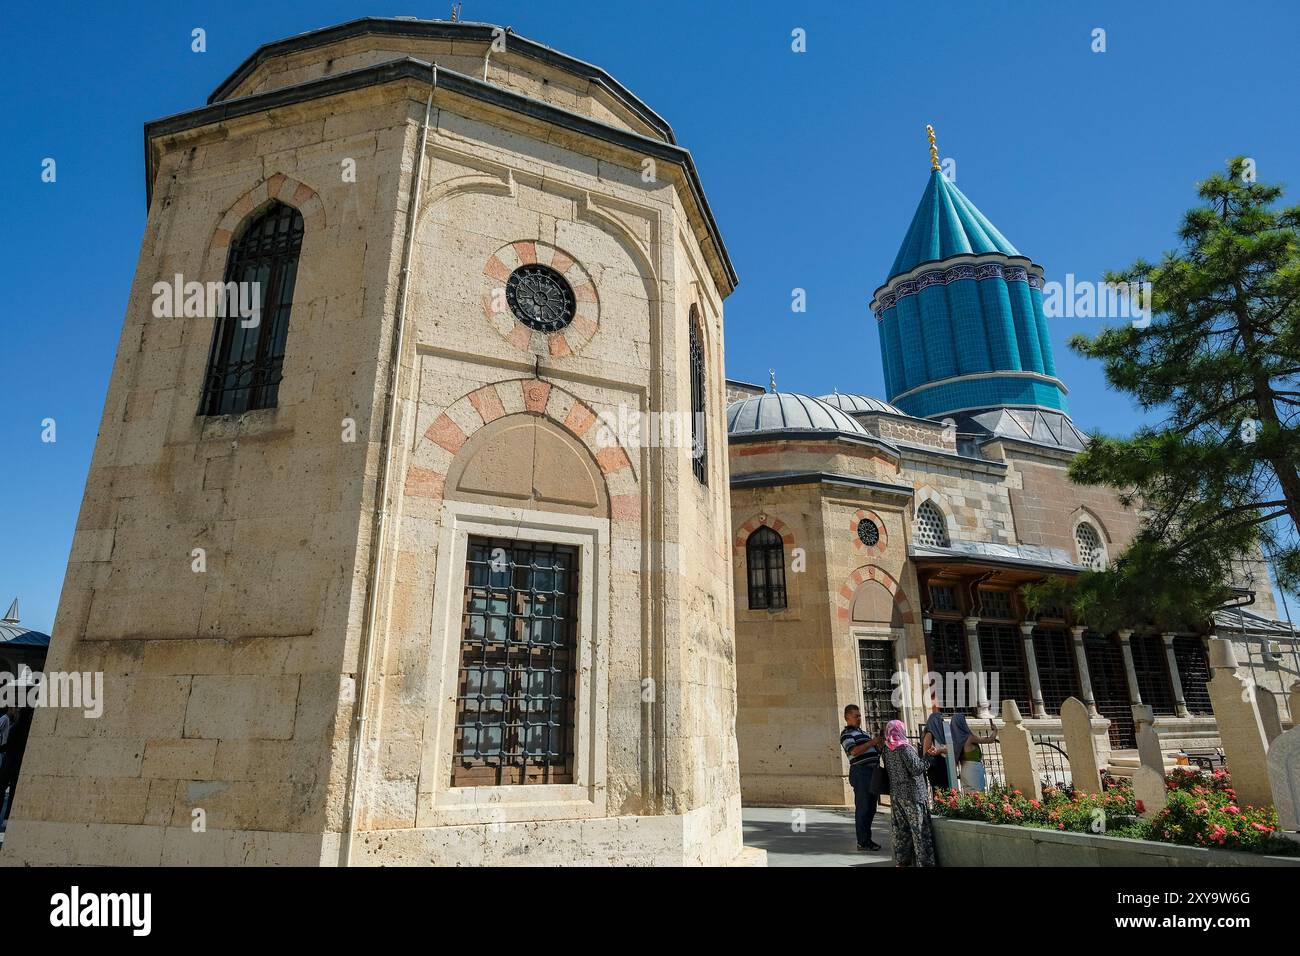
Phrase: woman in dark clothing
(909, 798)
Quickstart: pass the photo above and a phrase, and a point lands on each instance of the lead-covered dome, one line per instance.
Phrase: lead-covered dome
(788, 412)
(855, 404)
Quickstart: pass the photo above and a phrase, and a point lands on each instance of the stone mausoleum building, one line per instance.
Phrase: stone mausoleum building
(375, 574)
(873, 538)
(366, 581)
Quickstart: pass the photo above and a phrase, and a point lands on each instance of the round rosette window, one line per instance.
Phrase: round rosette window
(540, 298)
(868, 533)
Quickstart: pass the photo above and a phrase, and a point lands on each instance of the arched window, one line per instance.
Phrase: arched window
(699, 421)
(930, 528)
(765, 556)
(1088, 543)
(247, 357)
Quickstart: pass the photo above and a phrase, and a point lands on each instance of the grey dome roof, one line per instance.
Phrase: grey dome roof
(788, 411)
(854, 403)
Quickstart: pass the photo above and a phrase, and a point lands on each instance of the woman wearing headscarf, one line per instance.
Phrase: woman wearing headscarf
(909, 798)
(966, 751)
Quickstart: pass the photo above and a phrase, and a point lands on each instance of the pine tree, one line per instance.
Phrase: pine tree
(1218, 477)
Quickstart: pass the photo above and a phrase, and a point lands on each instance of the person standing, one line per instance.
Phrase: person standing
(864, 757)
(909, 799)
(934, 748)
(966, 748)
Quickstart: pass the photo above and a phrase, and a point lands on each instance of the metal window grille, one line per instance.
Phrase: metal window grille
(765, 557)
(997, 605)
(1193, 673)
(946, 650)
(518, 649)
(1110, 688)
(699, 424)
(1152, 668)
(246, 361)
(1058, 671)
(1002, 653)
(876, 659)
(930, 528)
(1088, 543)
(943, 597)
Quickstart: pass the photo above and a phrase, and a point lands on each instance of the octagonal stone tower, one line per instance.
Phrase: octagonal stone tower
(393, 574)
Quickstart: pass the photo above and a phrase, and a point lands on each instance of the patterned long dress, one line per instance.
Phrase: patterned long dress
(909, 798)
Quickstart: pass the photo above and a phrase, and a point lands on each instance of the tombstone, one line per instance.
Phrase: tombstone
(1269, 716)
(1241, 732)
(1076, 726)
(1295, 704)
(1149, 778)
(1284, 779)
(1018, 753)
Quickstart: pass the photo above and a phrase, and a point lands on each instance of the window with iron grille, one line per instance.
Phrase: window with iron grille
(997, 605)
(1152, 669)
(246, 360)
(946, 650)
(518, 650)
(1002, 652)
(1088, 543)
(765, 557)
(929, 527)
(1193, 673)
(943, 597)
(876, 659)
(1110, 687)
(1058, 671)
(699, 423)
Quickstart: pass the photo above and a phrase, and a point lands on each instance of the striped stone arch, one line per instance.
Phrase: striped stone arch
(756, 522)
(586, 316)
(289, 191)
(869, 572)
(879, 547)
(440, 441)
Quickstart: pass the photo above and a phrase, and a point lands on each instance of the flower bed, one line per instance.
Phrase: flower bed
(1201, 811)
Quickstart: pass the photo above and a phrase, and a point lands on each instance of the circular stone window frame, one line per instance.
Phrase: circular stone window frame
(871, 529)
(586, 314)
(882, 543)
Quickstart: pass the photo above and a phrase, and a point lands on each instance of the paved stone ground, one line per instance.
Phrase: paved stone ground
(827, 837)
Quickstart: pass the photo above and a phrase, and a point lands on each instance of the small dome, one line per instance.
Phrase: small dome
(854, 404)
(788, 412)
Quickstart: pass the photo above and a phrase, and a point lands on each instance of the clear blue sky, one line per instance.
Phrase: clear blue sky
(813, 163)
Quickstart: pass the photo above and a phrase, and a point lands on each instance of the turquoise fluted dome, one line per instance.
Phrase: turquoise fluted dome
(961, 315)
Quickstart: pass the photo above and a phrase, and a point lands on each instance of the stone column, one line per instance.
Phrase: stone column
(1085, 680)
(1031, 663)
(1175, 679)
(1130, 672)
(977, 665)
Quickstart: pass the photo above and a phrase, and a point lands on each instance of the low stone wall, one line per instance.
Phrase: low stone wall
(973, 843)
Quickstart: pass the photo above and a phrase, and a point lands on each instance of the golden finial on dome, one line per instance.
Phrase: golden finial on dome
(934, 150)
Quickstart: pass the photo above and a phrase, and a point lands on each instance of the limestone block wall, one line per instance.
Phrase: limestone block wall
(973, 496)
(505, 68)
(226, 688)
(789, 708)
(658, 738)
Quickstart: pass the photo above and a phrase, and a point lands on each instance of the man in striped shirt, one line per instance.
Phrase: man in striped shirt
(864, 756)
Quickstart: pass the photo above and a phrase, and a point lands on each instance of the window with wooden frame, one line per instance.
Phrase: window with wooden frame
(765, 560)
(699, 419)
(246, 361)
(518, 658)
(1058, 669)
(1193, 673)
